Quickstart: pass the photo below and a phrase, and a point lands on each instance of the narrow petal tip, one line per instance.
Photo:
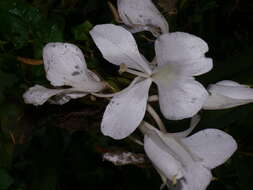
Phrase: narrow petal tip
(38, 95)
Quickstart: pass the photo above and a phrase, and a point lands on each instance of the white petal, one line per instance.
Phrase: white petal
(171, 145)
(183, 50)
(93, 83)
(38, 95)
(125, 111)
(196, 178)
(194, 122)
(179, 46)
(142, 14)
(182, 99)
(217, 102)
(192, 67)
(191, 174)
(163, 161)
(65, 65)
(230, 83)
(212, 145)
(228, 94)
(237, 92)
(118, 46)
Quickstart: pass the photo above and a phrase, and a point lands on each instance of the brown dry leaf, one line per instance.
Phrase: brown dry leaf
(114, 12)
(168, 6)
(20, 128)
(121, 158)
(29, 61)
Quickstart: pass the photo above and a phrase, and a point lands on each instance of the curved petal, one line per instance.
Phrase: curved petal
(65, 97)
(118, 46)
(38, 95)
(182, 99)
(65, 65)
(232, 90)
(125, 111)
(228, 94)
(217, 102)
(183, 50)
(163, 161)
(196, 178)
(179, 46)
(230, 83)
(92, 84)
(142, 15)
(213, 146)
(194, 122)
(170, 155)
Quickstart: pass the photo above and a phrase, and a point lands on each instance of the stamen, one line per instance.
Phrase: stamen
(123, 68)
(164, 180)
(137, 73)
(174, 180)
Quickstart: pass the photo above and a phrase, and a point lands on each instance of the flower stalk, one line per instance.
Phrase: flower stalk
(156, 117)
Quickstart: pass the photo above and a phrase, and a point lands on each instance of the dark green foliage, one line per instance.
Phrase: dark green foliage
(5, 180)
(59, 147)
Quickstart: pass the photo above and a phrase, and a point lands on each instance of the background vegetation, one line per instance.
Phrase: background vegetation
(60, 147)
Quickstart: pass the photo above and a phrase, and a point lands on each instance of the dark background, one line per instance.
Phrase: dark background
(54, 147)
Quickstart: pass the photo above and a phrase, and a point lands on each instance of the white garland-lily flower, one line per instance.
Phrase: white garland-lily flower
(185, 163)
(228, 94)
(142, 15)
(179, 56)
(64, 65)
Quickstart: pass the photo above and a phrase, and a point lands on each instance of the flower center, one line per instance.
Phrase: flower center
(164, 75)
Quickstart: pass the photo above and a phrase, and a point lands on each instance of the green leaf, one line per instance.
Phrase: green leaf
(182, 3)
(81, 32)
(7, 81)
(5, 180)
(24, 23)
(46, 180)
(205, 6)
(14, 29)
(6, 151)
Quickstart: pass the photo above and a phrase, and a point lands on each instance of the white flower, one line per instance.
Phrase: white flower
(142, 15)
(185, 163)
(65, 65)
(228, 94)
(179, 56)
